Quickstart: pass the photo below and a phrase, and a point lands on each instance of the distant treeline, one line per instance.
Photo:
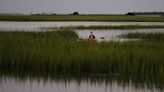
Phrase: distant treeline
(77, 13)
(44, 13)
(146, 13)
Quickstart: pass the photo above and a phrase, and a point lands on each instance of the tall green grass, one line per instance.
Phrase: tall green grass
(59, 52)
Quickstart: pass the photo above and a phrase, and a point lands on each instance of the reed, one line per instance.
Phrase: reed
(59, 52)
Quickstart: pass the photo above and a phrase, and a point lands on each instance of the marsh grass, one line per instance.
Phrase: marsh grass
(120, 27)
(59, 52)
(107, 27)
(145, 36)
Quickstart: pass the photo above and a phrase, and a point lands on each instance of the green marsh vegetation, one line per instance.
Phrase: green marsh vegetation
(111, 27)
(60, 52)
(156, 37)
(104, 18)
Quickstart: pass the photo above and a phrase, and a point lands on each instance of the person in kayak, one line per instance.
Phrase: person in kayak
(91, 36)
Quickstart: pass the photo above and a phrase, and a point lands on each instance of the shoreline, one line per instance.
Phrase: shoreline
(85, 18)
(80, 25)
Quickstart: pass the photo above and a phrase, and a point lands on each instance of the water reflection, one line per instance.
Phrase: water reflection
(91, 83)
(35, 25)
(111, 34)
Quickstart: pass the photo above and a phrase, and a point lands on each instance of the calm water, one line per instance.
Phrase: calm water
(103, 35)
(35, 25)
(107, 35)
(30, 84)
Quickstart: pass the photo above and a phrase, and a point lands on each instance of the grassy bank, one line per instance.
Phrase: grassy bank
(111, 27)
(104, 18)
(59, 52)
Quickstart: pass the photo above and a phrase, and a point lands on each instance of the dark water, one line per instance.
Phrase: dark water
(75, 84)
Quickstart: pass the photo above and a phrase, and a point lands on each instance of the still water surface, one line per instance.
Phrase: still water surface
(108, 35)
(35, 25)
(13, 84)
(101, 35)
